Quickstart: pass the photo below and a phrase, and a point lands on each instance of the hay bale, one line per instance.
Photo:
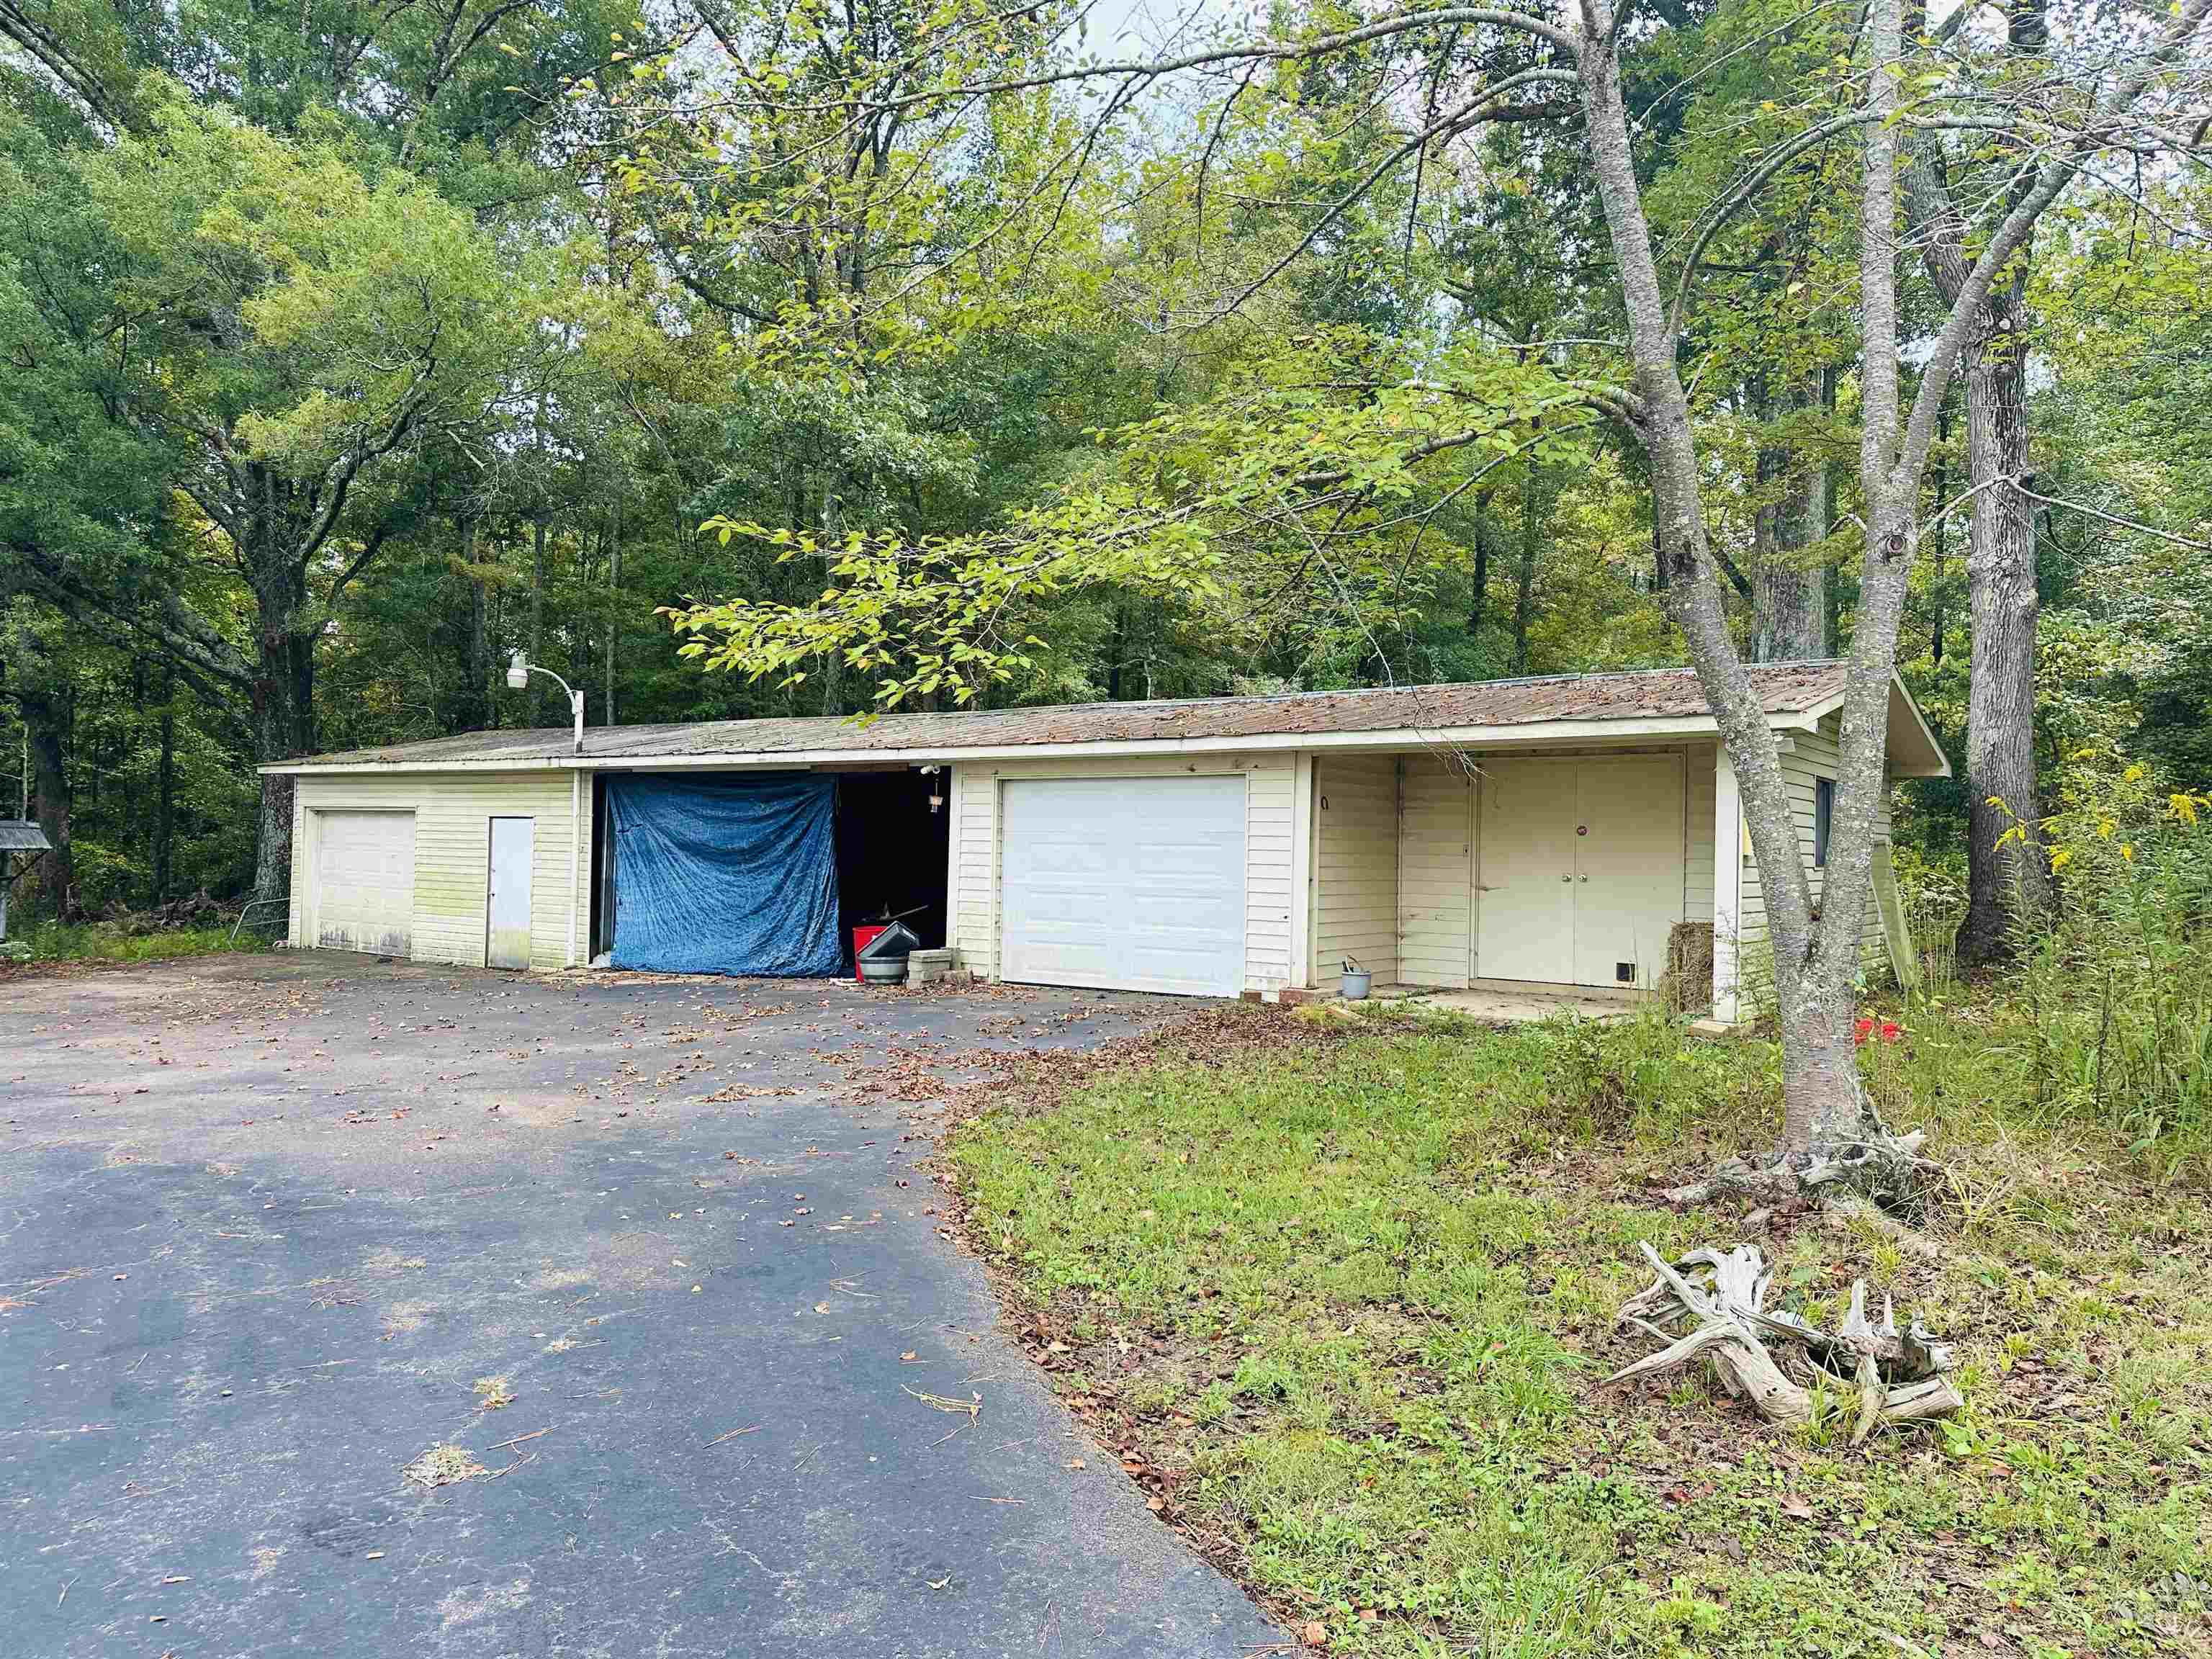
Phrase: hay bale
(1687, 984)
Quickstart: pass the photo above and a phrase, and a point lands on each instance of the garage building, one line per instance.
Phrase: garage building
(1516, 833)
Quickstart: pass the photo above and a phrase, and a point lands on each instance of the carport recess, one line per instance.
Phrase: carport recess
(891, 845)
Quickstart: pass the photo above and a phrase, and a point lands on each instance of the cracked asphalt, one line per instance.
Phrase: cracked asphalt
(274, 1228)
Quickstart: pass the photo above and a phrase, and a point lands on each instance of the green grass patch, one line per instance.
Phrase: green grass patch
(1346, 1301)
(100, 941)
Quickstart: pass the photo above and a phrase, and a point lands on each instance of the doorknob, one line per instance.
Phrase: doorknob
(1566, 877)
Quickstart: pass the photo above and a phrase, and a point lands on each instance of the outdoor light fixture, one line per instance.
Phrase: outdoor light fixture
(519, 668)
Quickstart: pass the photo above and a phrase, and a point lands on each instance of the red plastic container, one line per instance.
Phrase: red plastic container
(861, 935)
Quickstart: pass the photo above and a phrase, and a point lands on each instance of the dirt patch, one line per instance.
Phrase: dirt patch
(459, 1607)
(405, 1318)
(442, 1466)
(532, 1111)
(633, 1260)
(1033, 1081)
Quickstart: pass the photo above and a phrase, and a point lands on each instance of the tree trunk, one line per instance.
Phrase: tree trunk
(2009, 886)
(1479, 579)
(1831, 588)
(282, 715)
(1815, 960)
(1938, 617)
(476, 670)
(614, 615)
(541, 688)
(580, 638)
(1789, 597)
(165, 800)
(52, 884)
(1788, 614)
(1524, 598)
(833, 526)
(495, 604)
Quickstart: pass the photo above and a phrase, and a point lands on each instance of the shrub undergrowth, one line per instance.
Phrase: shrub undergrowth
(2106, 1017)
(99, 941)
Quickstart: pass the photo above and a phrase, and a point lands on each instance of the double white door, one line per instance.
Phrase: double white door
(1581, 869)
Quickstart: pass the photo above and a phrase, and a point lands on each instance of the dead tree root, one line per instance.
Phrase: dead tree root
(1720, 1296)
(1883, 1170)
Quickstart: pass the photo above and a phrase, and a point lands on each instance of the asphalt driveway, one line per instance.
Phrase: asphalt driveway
(653, 1259)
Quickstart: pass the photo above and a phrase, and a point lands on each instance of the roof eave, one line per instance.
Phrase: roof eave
(1930, 761)
(1523, 734)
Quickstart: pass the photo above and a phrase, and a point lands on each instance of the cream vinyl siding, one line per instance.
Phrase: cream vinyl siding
(1812, 756)
(1270, 886)
(1355, 867)
(452, 855)
(971, 924)
(1396, 856)
(1698, 854)
(1435, 871)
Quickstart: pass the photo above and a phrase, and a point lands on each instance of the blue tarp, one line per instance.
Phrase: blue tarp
(730, 875)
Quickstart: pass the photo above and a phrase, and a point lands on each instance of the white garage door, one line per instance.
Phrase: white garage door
(1123, 883)
(364, 876)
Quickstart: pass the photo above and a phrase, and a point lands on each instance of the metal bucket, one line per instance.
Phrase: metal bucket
(1358, 983)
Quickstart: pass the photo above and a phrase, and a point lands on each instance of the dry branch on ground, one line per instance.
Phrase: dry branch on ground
(1721, 1296)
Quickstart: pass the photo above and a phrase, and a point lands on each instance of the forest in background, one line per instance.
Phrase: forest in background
(347, 348)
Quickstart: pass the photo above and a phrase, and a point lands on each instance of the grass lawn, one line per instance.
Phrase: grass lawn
(1342, 1299)
(100, 941)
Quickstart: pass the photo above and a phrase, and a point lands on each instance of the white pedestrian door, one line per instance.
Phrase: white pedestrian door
(1123, 883)
(1525, 904)
(1628, 867)
(506, 908)
(362, 890)
(1582, 869)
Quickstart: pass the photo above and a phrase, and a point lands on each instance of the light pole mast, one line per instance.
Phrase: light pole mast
(519, 668)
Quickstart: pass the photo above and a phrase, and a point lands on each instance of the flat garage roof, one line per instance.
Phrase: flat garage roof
(1661, 702)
